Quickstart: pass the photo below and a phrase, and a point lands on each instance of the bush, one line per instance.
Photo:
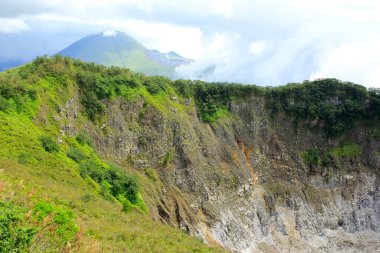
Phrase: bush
(155, 84)
(49, 144)
(347, 150)
(24, 158)
(122, 183)
(93, 169)
(113, 180)
(325, 158)
(14, 235)
(84, 138)
(312, 156)
(42, 209)
(3, 104)
(93, 107)
(76, 154)
(63, 218)
(67, 228)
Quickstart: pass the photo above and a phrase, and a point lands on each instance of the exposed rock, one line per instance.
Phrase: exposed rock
(242, 184)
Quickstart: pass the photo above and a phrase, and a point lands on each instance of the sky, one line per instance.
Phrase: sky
(263, 42)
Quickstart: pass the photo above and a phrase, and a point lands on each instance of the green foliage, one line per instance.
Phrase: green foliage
(213, 99)
(113, 180)
(76, 154)
(347, 150)
(184, 88)
(42, 209)
(333, 105)
(312, 156)
(67, 227)
(49, 144)
(46, 226)
(155, 84)
(97, 83)
(84, 138)
(24, 158)
(142, 141)
(3, 103)
(93, 169)
(64, 219)
(14, 236)
(93, 107)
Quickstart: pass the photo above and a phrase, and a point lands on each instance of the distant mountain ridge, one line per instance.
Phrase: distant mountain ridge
(119, 49)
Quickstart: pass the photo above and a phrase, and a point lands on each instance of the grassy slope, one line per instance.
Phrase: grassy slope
(29, 175)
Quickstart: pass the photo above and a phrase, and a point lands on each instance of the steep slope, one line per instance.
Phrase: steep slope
(56, 193)
(249, 169)
(119, 49)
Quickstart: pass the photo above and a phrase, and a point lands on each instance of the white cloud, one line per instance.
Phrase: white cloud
(356, 62)
(12, 25)
(257, 47)
(250, 41)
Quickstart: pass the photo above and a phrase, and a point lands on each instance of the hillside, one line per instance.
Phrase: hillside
(119, 49)
(97, 159)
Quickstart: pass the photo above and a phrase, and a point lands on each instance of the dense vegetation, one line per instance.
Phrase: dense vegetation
(56, 192)
(330, 104)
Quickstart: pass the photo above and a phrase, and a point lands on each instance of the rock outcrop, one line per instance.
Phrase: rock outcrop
(241, 182)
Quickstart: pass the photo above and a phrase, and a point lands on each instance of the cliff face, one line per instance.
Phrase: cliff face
(242, 183)
(261, 176)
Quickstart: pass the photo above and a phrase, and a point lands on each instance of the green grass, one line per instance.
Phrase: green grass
(346, 150)
(319, 157)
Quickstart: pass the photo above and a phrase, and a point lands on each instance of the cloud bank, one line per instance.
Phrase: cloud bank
(249, 41)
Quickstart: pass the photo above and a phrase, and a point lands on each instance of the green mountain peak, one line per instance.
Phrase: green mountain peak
(115, 48)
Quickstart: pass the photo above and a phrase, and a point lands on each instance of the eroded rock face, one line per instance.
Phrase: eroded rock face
(241, 182)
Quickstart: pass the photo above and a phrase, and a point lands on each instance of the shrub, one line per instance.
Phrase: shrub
(93, 169)
(154, 84)
(347, 150)
(67, 228)
(49, 144)
(63, 218)
(3, 103)
(312, 156)
(93, 107)
(42, 209)
(14, 235)
(23, 158)
(76, 154)
(84, 138)
(325, 158)
(113, 180)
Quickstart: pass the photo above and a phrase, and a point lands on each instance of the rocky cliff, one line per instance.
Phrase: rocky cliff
(250, 180)
(242, 183)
